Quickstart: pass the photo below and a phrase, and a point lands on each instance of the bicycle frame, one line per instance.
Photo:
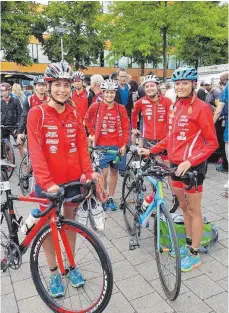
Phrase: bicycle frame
(52, 218)
(158, 200)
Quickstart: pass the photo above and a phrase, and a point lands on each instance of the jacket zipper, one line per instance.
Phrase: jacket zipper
(154, 121)
(185, 152)
(175, 123)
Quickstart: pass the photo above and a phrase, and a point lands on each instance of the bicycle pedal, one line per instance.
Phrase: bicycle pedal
(133, 245)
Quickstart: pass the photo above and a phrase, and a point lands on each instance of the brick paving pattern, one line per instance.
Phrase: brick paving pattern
(137, 288)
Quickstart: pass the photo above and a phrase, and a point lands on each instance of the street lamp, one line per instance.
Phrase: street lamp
(61, 31)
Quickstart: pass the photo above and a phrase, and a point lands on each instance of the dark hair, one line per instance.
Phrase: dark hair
(150, 73)
(121, 69)
(113, 76)
(202, 84)
(134, 85)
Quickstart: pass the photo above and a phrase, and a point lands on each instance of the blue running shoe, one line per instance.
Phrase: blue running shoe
(112, 205)
(106, 205)
(56, 286)
(183, 252)
(76, 278)
(190, 262)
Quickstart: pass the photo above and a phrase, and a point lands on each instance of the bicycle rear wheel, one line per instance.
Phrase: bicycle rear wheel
(8, 154)
(26, 178)
(169, 267)
(129, 202)
(91, 259)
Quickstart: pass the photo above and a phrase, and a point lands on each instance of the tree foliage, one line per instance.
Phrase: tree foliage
(140, 29)
(82, 44)
(202, 37)
(17, 18)
(195, 31)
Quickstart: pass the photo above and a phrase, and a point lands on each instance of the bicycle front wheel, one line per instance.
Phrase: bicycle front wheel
(93, 262)
(26, 179)
(129, 202)
(8, 154)
(167, 254)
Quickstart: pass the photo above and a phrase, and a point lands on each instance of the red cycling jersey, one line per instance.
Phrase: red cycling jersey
(57, 146)
(96, 116)
(190, 137)
(34, 100)
(81, 102)
(155, 117)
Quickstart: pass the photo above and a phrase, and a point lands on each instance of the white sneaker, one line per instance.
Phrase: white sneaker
(83, 212)
(97, 215)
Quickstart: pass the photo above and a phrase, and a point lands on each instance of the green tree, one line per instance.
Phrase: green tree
(141, 30)
(82, 45)
(203, 34)
(17, 18)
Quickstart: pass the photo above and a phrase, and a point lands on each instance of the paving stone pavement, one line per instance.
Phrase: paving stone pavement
(137, 288)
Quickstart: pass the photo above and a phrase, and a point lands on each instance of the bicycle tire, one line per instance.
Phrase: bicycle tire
(6, 216)
(127, 187)
(171, 294)
(102, 255)
(6, 144)
(25, 191)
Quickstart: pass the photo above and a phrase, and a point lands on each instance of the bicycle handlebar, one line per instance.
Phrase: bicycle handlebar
(59, 195)
(104, 150)
(162, 170)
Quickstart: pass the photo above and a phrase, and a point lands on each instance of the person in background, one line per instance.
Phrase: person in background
(201, 93)
(222, 111)
(17, 93)
(212, 98)
(163, 89)
(170, 93)
(108, 126)
(79, 94)
(36, 99)
(124, 94)
(10, 114)
(141, 89)
(113, 76)
(95, 92)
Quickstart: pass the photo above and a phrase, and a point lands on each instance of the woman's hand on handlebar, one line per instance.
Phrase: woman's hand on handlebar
(53, 189)
(143, 151)
(183, 168)
(123, 150)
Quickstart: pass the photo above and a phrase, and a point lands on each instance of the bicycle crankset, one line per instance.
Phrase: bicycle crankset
(12, 256)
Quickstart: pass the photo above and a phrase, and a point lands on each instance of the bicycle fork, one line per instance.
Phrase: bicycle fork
(56, 228)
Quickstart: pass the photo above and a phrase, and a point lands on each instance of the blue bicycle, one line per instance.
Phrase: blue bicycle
(136, 217)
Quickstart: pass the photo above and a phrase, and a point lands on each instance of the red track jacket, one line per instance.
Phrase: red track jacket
(192, 136)
(155, 117)
(94, 120)
(57, 146)
(81, 102)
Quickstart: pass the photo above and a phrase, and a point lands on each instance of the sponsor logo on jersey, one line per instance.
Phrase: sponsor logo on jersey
(53, 149)
(52, 141)
(52, 134)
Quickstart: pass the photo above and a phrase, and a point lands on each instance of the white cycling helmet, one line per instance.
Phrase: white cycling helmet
(109, 84)
(151, 79)
(78, 76)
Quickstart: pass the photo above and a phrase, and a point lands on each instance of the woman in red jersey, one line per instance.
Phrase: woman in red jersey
(190, 141)
(59, 154)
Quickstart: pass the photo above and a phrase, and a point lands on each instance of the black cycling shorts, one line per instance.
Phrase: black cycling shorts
(201, 169)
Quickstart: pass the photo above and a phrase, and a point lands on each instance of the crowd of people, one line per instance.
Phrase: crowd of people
(177, 118)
